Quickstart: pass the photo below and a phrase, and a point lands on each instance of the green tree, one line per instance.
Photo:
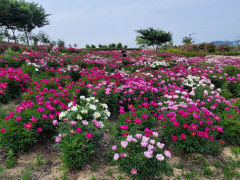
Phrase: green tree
(33, 16)
(154, 37)
(142, 43)
(112, 45)
(87, 46)
(43, 37)
(119, 45)
(60, 43)
(22, 16)
(187, 40)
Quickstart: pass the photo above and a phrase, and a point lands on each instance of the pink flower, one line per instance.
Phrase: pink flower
(128, 120)
(124, 127)
(73, 123)
(114, 148)
(134, 171)
(3, 130)
(144, 144)
(28, 126)
(55, 122)
(137, 121)
(89, 135)
(160, 145)
(183, 136)
(58, 139)
(18, 118)
(144, 116)
(116, 156)
(148, 154)
(39, 129)
(167, 153)
(174, 138)
(78, 130)
(33, 119)
(160, 157)
(124, 144)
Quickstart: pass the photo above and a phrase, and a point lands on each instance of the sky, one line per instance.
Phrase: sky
(112, 21)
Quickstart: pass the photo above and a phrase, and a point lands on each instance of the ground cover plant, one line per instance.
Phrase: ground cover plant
(136, 111)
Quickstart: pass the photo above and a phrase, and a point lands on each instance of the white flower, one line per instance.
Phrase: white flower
(70, 104)
(74, 108)
(88, 99)
(82, 97)
(92, 98)
(96, 115)
(84, 111)
(93, 107)
(61, 115)
(108, 113)
(79, 117)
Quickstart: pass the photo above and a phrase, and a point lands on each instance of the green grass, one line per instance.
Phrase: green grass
(235, 150)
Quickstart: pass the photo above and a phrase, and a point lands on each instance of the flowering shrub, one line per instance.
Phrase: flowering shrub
(135, 120)
(142, 157)
(192, 129)
(13, 82)
(80, 129)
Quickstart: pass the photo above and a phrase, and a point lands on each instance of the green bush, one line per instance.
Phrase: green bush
(17, 138)
(231, 70)
(76, 150)
(231, 126)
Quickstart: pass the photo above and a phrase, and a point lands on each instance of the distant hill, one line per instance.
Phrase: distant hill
(230, 43)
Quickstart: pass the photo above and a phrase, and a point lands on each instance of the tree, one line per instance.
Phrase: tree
(60, 43)
(22, 16)
(43, 37)
(112, 45)
(187, 40)
(141, 42)
(33, 16)
(119, 45)
(153, 37)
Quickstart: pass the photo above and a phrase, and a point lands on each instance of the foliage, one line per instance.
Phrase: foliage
(153, 37)
(11, 159)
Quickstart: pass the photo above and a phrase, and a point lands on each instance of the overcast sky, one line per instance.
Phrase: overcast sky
(106, 21)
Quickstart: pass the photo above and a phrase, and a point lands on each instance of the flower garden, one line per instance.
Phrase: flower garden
(136, 112)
